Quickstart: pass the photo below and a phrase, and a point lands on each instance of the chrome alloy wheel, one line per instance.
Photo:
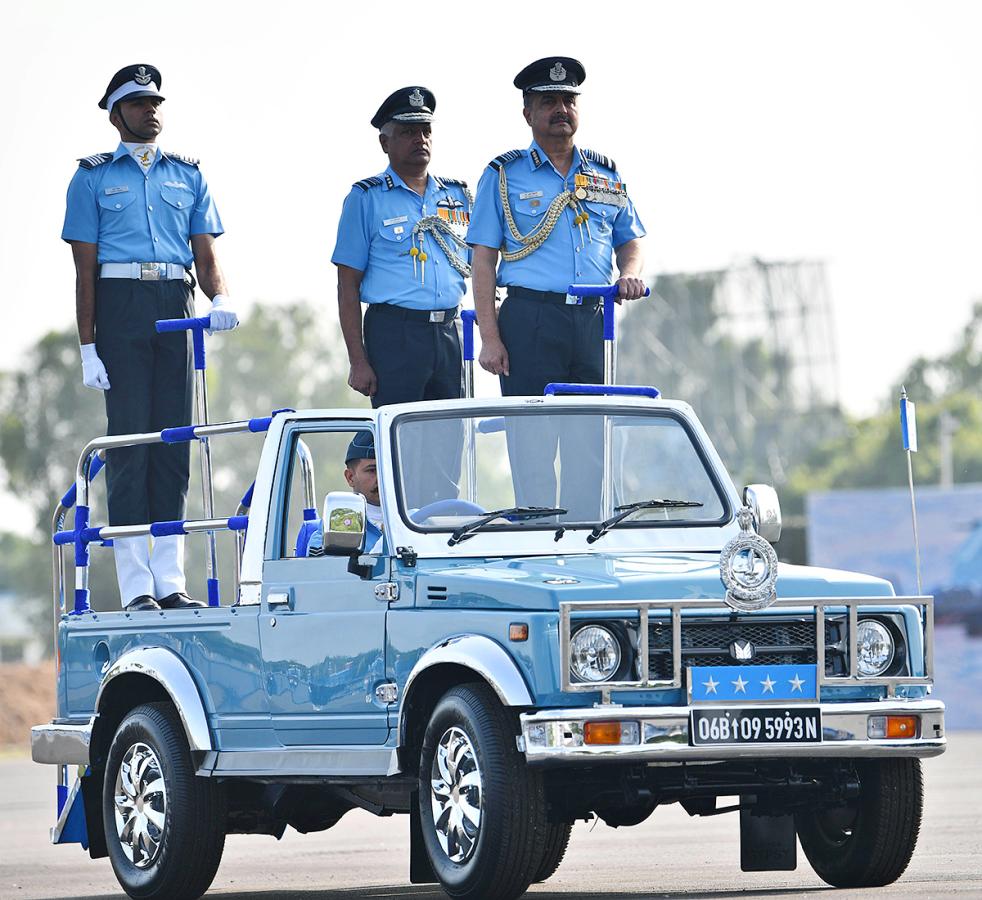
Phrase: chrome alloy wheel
(140, 805)
(457, 795)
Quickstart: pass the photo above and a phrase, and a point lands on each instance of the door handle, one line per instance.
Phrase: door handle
(278, 598)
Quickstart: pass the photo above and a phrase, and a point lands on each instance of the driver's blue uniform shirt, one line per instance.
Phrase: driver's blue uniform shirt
(569, 254)
(137, 217)
(375, 235)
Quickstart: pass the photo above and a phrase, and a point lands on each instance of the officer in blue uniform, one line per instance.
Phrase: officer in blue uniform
(401, 250)
(136, 219)
(362, 476)
(555, 214)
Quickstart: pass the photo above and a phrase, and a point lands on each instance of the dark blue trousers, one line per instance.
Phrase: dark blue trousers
(549, 341)
(150, 377)
(415, 359)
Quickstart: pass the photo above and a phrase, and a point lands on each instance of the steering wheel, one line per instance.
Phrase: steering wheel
(450, 507)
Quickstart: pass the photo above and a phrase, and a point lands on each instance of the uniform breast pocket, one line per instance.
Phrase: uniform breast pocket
(397, 232)
(528, 213)
(177, 199)
(601, 217)
(116, 202)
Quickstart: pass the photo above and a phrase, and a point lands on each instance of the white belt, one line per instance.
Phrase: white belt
(151, 271)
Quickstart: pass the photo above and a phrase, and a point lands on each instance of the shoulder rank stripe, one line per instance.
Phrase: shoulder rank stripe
(367, 183)
(180, 157)
(508, 157)
(459, 182)
(600, 159)
(97, 159)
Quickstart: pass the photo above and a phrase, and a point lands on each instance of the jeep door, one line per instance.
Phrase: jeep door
(322, 629)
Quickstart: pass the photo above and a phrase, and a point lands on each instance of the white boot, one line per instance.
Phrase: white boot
(133, 568)
(167, 566)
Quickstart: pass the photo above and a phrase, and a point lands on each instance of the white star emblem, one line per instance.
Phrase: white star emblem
(740, 685)
(796, 683)
(768, 685)
(710, 685)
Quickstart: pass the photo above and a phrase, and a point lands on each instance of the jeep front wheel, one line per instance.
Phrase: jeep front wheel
(482, 811)
(869, 842)
(164, 826)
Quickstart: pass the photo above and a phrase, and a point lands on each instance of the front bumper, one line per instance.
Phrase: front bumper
(556, 735)
(62, 743)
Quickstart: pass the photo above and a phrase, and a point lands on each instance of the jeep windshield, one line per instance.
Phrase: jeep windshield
(453, 470)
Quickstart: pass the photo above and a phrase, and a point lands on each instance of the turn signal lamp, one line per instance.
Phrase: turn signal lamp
(893, 727)
(611, 733)
(518, 631)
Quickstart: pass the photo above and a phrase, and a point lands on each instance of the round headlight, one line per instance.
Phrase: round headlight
(595, 654)
(874, 647)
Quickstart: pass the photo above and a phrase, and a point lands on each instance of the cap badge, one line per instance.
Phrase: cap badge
(416, 99)
(558, 72)
(142, 76)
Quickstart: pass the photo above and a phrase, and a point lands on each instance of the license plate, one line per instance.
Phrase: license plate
(797, 725)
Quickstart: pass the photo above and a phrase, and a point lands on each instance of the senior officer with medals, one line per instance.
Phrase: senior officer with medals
(401, 251)
(555, 214)
(136, 219)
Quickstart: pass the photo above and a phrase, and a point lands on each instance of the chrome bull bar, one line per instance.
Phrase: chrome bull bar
(642, 609)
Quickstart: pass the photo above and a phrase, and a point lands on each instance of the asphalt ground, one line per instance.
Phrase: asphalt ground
(670, 855)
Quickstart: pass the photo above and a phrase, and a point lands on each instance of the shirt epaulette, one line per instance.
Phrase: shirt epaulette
(600, 159)
(97, 159)
(180, 157)
(459, 182)
(366, 183)
(508, 157)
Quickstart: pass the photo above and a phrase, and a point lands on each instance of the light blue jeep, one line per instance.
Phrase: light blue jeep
(572, 613)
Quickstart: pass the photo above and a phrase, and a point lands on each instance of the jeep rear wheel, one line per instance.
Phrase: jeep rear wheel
(869, 842)
(164, 826)
(482, 811)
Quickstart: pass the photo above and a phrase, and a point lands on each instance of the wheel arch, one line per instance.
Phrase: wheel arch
(454, 661)
(148, 675)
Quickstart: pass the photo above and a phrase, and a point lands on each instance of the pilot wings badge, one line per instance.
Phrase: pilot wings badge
(557, 72)
(416, 99)
(748, 568)
(142, 76)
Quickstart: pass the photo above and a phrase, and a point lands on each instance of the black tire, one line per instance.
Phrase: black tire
(500, 857)
(870, 842)
(183, 843)
(557, 840)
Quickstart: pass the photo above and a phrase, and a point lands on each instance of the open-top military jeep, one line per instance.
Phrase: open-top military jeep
(572, 613)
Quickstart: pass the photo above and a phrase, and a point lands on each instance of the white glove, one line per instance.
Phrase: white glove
(93, 371)
(223, 314)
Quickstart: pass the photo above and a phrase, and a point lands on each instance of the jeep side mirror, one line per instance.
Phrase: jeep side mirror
(343, 523)
(763, 502)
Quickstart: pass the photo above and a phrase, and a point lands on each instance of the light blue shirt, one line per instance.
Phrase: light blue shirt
(375, 235)
(569, 254)
(140, 217)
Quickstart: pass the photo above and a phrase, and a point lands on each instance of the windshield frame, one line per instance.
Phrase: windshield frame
(534, 525)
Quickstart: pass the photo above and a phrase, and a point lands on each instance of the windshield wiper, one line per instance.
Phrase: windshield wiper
(630, 508)
(516, 513)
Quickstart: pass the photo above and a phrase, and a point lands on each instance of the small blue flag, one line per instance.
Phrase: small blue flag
(908, 422)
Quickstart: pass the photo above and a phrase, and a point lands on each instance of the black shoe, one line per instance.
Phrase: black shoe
(179, 600)
(143, 603)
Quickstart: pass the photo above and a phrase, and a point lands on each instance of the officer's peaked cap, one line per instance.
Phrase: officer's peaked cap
(362, 446)
(553, 73)
(409, 104)
(131, 83)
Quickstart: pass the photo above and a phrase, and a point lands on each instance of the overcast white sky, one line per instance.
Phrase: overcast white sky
(846, 131)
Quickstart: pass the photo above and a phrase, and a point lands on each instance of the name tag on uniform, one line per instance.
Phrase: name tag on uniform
(122, 189)
(528, 195)
(395, 221)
